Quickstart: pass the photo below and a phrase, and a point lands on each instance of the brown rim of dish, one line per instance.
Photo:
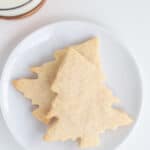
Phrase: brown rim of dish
(25, 14)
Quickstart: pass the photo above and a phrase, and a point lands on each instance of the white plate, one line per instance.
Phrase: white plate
(9, 8)
(122, 77)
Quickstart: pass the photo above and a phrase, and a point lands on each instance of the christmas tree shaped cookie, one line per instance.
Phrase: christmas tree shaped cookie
(82, 107)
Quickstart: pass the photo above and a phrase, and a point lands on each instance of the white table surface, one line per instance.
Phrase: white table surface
(129, 19)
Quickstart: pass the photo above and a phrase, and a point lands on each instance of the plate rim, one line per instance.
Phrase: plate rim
(26, 14)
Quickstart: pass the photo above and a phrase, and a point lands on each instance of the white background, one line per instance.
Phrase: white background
(129, 19)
